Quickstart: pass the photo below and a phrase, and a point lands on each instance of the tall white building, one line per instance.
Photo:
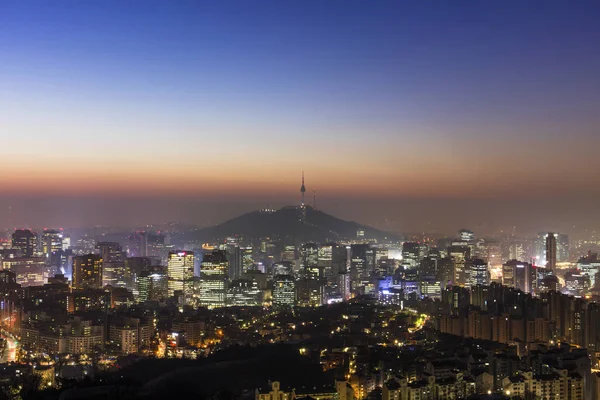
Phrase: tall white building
(214, 279)
(180, 272)
(284, 291)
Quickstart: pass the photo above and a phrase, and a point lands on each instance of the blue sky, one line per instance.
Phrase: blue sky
(406, 96)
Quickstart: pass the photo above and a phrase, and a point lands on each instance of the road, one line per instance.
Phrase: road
(9, 353)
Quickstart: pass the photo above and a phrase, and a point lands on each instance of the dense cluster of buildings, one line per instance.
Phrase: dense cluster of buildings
(102, 296)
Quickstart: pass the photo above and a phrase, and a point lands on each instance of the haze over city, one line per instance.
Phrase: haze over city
(404, 116)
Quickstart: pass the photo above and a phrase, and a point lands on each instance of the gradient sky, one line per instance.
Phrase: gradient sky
(440, 113)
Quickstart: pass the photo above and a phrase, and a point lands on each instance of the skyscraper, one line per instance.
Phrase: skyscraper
(25, 241)
(113, 264)
(52, 246)
(180, 272)
(284, 291)
(138, 244)
(551, 251)
(459, 255)
(234, 255)
(87, 272)
(310, 261)
(358, 262)
(478, 273)
(152, 286)
(519, 275)
(563, 248)
(466, 235)
(213, 279)
(412, 254)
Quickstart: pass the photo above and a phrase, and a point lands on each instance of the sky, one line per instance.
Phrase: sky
(427, 115)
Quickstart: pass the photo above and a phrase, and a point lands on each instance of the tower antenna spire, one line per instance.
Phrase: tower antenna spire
(302, 189)
(314, 199)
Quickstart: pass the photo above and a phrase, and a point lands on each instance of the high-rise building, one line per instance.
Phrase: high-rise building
(87, 272)
(113, 264)
(429, 264)
(180, 272)
(309, 253)
(244, 293)
(459, 255)
(288, 254)
(466, 235)
(520, 275)
(478, 272)
(283, 268)
(590, 266)
(310, 293)
(411, 254)
(551, 251)
(234, 256)
(52, 246)
(516, 250)
(213, 279)
(284, 291)
(138, 244)
(563, 248)
(152, 286)
(359, 266)
(26, 241)
(325, 259)
(576, 283)
(156, 246)
(339, 260)
(134, 266)
(247, 259)
(29, 271)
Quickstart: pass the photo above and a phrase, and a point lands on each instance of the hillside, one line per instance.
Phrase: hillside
(285, 224)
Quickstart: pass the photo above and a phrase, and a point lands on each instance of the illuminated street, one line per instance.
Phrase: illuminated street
(9, 351)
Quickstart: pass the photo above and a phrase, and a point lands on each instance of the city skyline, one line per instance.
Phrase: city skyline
(406, 116)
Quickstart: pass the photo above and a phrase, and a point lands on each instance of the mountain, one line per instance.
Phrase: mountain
(285, 224)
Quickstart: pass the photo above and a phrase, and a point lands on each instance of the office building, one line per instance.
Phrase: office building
(29, 271)
(283, 268)
(359, 265)
(459, 255)
(113, 264)
(325, 259)
(180, 272)
(551, 251)
(478, 272)
(152, 286)
(590, 266)
(310, 293)
(309, 261)
(87, 272)
(26, 242)
(213, 279)
(52, 246)
(134, 266)
(284, 291)
(234, 256)
(244, 293)
(520, 275)
(412, 253)
(138, 244)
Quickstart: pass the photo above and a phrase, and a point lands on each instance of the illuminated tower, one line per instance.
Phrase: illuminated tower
(302, 205)
(302, 189)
